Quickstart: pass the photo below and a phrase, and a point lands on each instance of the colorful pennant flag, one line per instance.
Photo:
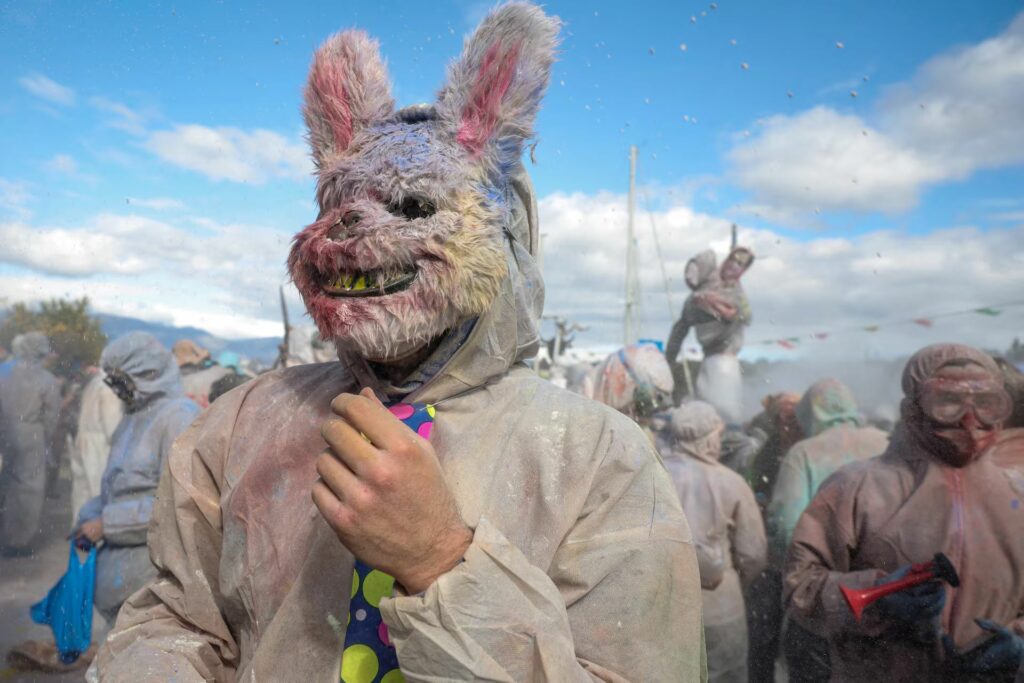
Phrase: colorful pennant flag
(790, 343)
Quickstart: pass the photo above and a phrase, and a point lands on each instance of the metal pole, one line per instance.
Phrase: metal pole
(629, 331)
(733, 237)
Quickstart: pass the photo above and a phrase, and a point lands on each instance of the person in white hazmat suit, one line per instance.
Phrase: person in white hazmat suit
(144, 375)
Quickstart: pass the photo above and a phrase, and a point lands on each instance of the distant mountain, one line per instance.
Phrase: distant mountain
(263, 349)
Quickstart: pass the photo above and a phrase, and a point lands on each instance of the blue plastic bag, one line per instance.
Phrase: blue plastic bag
(67, 608)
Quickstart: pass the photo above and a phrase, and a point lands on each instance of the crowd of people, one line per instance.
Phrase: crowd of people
(423, 506)
(827, 501)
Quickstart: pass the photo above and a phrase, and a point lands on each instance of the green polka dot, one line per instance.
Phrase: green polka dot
(376, 585)
(393, 676)
(355, 583)
(358, 664)
(431, 411)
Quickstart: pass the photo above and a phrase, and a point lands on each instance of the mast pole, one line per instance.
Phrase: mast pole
(630, 317)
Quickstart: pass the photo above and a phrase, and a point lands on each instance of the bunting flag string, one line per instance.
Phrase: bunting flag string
(791, 343)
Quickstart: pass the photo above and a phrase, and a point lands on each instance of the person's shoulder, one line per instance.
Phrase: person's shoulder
(859, 474)
(602, 428)
(873, 434)
(299, 380)
(732, 480)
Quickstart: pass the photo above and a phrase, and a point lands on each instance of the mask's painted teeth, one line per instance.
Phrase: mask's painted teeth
(368, 284)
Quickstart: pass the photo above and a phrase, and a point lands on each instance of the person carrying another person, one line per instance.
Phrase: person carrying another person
(728, 532)
(935, 489)
(719, 311)
(144, 375)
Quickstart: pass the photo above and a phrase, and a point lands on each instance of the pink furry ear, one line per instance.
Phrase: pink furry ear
(348, 88)
(494, 89)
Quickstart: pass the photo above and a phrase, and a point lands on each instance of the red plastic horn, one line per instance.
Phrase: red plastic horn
(939, 569)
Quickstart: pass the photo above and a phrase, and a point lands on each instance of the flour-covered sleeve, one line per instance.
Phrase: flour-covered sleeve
(126, 516)
(819, 558)
(620, 601)
(173, 628)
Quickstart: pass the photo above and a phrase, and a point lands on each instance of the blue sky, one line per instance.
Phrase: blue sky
(107, 107)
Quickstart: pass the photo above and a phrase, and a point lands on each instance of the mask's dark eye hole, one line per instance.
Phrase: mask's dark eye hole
(412, 208)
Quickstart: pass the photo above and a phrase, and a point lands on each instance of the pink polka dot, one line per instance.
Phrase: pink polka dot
(402, 411)
(425, 429)
(382, 633)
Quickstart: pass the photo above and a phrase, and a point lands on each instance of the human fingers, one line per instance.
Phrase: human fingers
(370, 394)
(331, 509)
(384, 430)
(348, 444)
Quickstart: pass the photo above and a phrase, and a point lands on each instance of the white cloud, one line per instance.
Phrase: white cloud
(122, 117)
(225, 276)
(14, 197)
(824, 159)
(963, 111)
(47, 89)
(231, 153)
(62, 163)
(796, 287)
(223, 279)
(155, 203)
(134, 299)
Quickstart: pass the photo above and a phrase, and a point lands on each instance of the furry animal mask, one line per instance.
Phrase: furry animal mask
(413, 204)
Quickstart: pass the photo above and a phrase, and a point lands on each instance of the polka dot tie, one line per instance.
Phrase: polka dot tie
(369, 656)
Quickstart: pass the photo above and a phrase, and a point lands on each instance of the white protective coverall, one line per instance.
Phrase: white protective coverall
(581, 568)
(138, 450)
(728, 532)
(100, 414)
(29, 410)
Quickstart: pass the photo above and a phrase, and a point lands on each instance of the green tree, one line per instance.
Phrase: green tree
(74, 334)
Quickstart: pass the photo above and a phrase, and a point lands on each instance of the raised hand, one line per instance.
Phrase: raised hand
(383, 492)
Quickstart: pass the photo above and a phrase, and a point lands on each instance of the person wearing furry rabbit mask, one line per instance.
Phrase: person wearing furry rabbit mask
(426, 508)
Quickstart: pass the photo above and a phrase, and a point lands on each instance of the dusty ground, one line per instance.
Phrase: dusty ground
(25, 580)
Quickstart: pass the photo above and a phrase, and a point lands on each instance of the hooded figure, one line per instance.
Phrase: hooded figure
(828, 415)
(719, 311)
(29, 409)
(635, 380)
(144, 375)
(935, 489)
(728, 533)
(574, 559)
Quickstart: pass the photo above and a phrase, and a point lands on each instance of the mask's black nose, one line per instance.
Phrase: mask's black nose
(339, 231)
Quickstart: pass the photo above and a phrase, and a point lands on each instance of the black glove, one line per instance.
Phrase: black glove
(922, 602)
(1002, 652)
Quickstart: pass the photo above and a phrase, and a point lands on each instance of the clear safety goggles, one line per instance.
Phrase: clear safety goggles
(946, 401)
